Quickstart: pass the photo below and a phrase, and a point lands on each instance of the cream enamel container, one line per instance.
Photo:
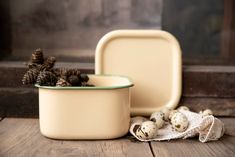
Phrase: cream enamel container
(100, 112)
(151, 58)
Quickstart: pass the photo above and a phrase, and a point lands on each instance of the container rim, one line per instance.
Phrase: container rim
(130, 84)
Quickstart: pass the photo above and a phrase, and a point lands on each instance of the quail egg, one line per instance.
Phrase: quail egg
(206, 112)
(183, 108)
(157, 118)
(147, 130)
(172, 113)
(179, 122)
(166, 111)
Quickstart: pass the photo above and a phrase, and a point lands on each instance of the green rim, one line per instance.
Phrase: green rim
(91, 88)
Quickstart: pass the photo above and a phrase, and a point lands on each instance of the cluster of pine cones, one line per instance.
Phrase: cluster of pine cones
(41, 71)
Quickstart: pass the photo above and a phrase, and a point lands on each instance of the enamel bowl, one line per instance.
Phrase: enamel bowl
(100, 112)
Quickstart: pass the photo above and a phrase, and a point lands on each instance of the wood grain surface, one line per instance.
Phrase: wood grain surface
(229, 124)
(219, 106)
(21, 137)
(225, 147)
(76, 24)
(209, 81)
(197, 95)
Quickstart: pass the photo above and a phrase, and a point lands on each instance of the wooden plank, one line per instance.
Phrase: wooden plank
(21, 137)
(209, 69)
(124, 12)
(89, 11)
(232, 37)
(226, 32)
(181, 18)
(228, 37)
(147, 12)
(203, 87)
(18, 102)
(229, 142)
(219, 106)
(229, 124)
(25, 103)
(208, 81)
(75, 24)
(192, 147)
(198, 81)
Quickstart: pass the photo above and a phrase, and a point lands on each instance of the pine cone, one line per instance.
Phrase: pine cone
(70, 72)
(84, 78)
(62, 83)
(37, 56)
(74, 80)
(30, 76)
(60, 72)
(48, 64)
(33, 66)
(46, 78)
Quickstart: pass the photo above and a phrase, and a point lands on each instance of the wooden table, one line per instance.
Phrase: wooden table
(21, 138)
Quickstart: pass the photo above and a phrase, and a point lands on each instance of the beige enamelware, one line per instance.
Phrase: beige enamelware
(100, 112)
(151, 58)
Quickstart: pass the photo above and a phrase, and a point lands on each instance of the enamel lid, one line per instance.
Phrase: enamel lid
(151, 59)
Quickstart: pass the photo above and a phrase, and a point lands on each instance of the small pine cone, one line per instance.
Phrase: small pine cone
(62, 83)
(46, 78)
(60, 72)
(55, 71)
(37, 56)
(33, 66)
(48, 64)
(84, 78)
(74, 80)
(70, 72)
(30, 76)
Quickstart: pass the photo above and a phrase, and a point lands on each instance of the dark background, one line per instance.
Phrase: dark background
(70, 29)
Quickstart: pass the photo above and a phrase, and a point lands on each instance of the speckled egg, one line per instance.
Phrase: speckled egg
(183, 108)
(157, 118)
(166, 111)
(140, 133)
(147, 130)
(179, 122)
(172, 113)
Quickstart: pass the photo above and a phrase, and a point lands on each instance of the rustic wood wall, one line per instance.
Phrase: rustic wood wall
(198, 25)
(75, 26)
(72, 28)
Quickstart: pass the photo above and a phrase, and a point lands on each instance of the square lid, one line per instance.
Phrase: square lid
(151, 58)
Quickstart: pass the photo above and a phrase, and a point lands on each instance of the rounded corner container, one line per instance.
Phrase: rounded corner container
(100, 112)
(151, 58)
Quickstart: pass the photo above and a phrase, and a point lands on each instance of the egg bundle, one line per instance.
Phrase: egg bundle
(41, 72)
(148, 129)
